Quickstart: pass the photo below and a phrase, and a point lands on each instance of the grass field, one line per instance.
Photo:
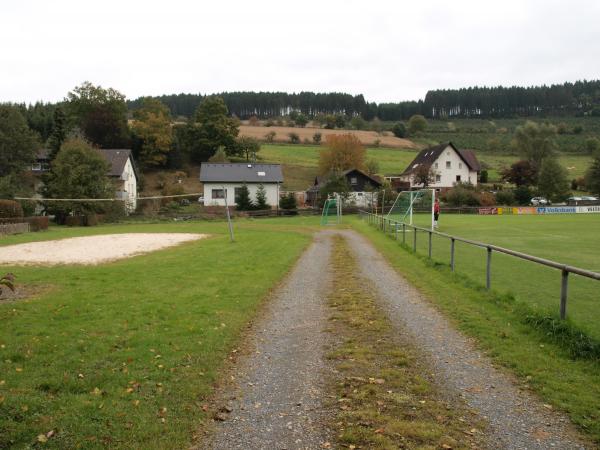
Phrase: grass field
(541, 363)
(568, 239)
(123, 354)
(300, 162)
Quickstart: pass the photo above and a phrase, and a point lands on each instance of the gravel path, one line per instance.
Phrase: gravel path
(517, 419)
(276, 400)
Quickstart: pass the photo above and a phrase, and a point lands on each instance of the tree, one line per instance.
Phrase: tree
(59, 132)
(152, 126)
(535, 142)
(78, 171)
(242, 199)
(247, 147)
(210, 129)
(261, 197)
(288, 202)
(522, 195)
(592, 176)
(521, 173)
(317, 138)
(301, 120)
(552, 182)
(592, 146)
(18, 143)
(294, 138)
(219, 157)
(372, 166)
(342, 152)
(101, 114)
(340, 121)
(399, 130)
(483, 176)
(424, 175)
(270, 136)
(358, 123)
(416, 124)
(334, 185)
(329, 122)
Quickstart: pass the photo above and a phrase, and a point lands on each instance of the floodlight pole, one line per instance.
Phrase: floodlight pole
(228, 215)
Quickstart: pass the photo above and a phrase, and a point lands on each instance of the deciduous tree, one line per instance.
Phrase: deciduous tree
(552, 182)
(535, 142)
(342, 152)
(592, 177)
(152, 126)
(417, 124)
(521, 173)
(247, 147)
(18, 143)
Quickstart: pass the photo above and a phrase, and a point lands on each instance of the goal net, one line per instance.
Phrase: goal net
(414, 208)
(332, 211)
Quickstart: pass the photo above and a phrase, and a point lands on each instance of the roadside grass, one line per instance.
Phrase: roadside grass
(496, 321)
(121, 355)
(383, 397)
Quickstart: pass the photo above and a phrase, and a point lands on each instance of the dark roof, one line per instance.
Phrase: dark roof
(321, 181)
(427, 157)
(117, 158)
(240, 173)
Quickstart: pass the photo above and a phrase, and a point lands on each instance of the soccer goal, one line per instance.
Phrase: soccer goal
(332, 211)
(414, 208)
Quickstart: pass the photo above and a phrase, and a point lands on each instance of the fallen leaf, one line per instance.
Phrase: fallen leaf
(42, 438)
(96, 391)
(379, 430)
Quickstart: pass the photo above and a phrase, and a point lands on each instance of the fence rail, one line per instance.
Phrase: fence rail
(388, 226)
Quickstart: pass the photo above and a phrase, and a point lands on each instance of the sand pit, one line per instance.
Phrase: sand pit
(91, 249)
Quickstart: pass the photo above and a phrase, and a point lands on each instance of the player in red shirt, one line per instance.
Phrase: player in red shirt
(436, 212)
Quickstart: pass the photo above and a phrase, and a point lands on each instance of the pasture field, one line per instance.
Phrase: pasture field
(300, 162)
(497, 321)
(123, 354)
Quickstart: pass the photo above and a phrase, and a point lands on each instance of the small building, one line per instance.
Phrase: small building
(444, 165)
(361, 188)
(223, 180)
(122, 171)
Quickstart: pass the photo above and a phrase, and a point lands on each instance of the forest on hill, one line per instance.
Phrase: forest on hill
(581, 98)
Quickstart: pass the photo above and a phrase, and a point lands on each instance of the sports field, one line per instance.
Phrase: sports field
(570, 239)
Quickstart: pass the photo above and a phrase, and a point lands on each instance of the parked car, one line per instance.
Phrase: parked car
(589, 198)
(539, 201)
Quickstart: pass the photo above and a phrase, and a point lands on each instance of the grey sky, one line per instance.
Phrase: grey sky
(387, 50)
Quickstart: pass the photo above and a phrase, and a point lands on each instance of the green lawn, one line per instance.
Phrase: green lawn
(122, 355)
(540, 363)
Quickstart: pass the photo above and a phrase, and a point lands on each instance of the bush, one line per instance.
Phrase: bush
(294, 138)
(399, 130)
(38, 223)
(505, 198)
(462, 196)
(483, 176)
(487, 199)
(288, 202)
(10, 208)
(270, 136)
(522, 195)
(317, 137)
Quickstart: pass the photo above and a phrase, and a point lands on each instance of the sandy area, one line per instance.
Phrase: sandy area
(368, 138)
(91, 249)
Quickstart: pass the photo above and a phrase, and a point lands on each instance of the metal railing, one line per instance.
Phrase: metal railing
(389, 226)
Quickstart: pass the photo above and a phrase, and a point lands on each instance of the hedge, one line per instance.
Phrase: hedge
(10, 208)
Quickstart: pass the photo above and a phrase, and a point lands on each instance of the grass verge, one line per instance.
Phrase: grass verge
(541, 365)
(383, 397)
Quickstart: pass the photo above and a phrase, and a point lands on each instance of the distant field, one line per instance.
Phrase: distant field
(366, 137)
(571, 239)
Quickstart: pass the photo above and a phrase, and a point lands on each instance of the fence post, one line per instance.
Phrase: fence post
(452, 254)
(563, 294)
(414, 240)
(403, 233)
(430, 235)
(488, 274)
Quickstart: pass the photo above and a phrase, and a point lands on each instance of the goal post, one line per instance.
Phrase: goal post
(414, 208)
(332, 211)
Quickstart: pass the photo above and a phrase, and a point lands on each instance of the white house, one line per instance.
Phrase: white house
(124, 175)
(222, 180)
(122, 172)
(445, 164)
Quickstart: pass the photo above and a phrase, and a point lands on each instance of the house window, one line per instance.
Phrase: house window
(218, 193)
(353, 181)
(448, 164)
(36, 166)
(436, 165)
(438, 178)
(460, 165)
(457, 178)
(236, 192)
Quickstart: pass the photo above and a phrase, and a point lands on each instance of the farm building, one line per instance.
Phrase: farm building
(122, 172)
(222, 180)
(442, 166)
(361, 187)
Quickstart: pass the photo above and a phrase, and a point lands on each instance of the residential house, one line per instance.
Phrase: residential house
(361, 188)
(122, 171)
(445, 164)
(223, 180)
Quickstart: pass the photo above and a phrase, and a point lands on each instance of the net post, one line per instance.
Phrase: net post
(564, 285)
(410, 220)
(403, 233)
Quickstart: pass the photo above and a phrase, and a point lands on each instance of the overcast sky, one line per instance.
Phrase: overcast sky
(386, 50)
